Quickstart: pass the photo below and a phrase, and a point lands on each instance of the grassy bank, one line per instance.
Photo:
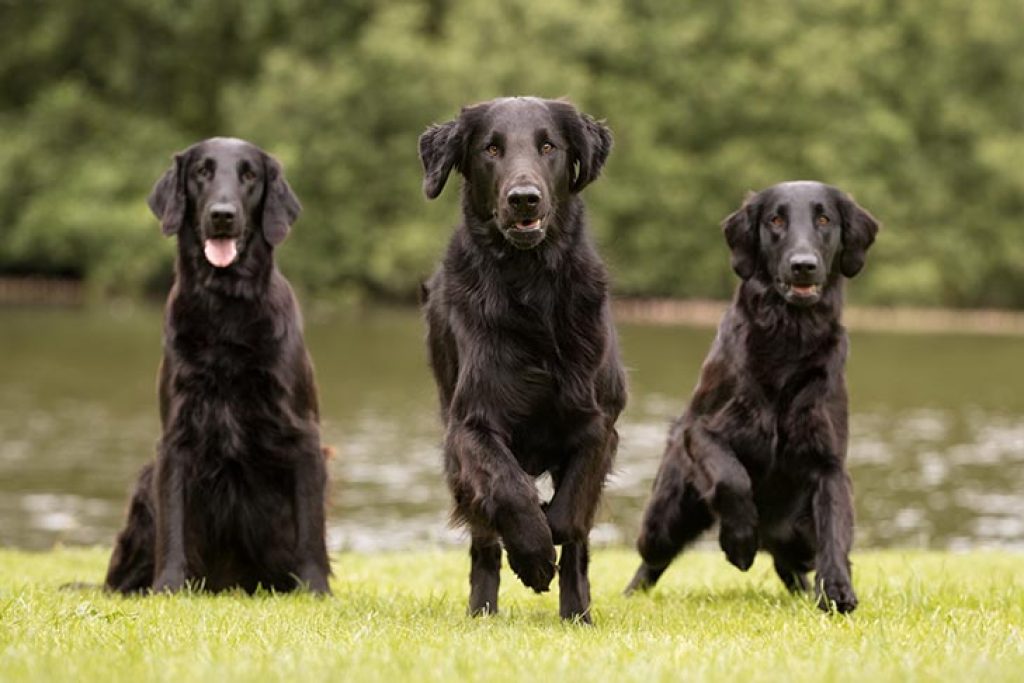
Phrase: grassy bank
(923, 616)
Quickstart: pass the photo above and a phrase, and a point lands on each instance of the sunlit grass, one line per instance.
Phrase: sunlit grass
(923, 617)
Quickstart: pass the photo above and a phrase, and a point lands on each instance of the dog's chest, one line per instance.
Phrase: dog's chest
(226, 391)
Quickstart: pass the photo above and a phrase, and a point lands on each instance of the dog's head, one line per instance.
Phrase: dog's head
(521, 158)
(225, 192)
(799, 236)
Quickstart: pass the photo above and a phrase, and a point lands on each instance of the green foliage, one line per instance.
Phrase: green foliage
(923, 617)
(914, 108)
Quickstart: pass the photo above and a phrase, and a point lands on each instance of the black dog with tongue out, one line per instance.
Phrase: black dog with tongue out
(762, 446)
(521, 341)
(235, 497)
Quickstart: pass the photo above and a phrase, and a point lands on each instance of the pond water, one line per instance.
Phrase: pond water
(936, 449)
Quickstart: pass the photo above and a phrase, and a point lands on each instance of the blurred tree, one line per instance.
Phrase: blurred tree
(917, 109)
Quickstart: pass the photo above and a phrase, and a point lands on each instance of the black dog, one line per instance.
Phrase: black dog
(521, 341)
(762, 446)
(236, 495)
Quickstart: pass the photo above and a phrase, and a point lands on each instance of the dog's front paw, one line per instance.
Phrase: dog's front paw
(739, 541)
(169, 581)
(532, 560)
(836, 594)
(314, 579)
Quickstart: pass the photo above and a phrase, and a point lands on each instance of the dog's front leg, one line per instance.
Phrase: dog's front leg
(171, 563)
(729, 488)
(484, 573)
(491, 490)
(833, 520)
(572, 508)
(579, 483)
(574, 582)
(310, 522)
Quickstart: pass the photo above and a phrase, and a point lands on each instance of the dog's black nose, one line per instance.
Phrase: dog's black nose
(222, 214)
(803, 265)
(524, 198)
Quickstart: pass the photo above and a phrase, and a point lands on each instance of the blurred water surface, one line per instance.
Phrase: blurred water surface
(936, 450)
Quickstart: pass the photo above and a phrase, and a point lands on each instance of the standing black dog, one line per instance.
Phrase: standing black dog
(762, 446)
(236, 495)
(521, 341)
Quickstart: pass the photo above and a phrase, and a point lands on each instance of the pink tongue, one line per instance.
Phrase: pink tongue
(220, 253)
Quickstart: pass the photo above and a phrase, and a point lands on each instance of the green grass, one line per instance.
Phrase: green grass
(394, 617)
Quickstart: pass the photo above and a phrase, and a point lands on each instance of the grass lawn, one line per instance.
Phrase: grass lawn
(394, 617)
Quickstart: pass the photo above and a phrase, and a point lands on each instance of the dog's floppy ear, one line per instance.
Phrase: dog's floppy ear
(280, 205)
(591, 142)
(859, 230)
(167, 200)
(440, 149)
(741, 234)
(598, 145)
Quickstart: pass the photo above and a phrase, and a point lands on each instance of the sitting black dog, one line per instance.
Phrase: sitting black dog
(521, 341)
(235, 497)
(762, 446)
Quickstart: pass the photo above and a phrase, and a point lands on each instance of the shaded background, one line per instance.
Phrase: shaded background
(915, 108)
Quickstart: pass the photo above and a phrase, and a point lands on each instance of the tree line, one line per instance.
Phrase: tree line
(917, 109)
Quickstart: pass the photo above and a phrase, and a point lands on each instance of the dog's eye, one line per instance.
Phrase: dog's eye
(778, 221)
(547, 148)
(204, 172)
(248, 176)
(492, 150)
(824, 220)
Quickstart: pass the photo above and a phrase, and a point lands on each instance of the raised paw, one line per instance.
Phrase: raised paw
(739, 543)
(836, 594)
(535, 566)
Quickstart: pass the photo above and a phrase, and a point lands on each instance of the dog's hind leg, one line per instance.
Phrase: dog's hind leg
(484, 573)
(675, 517)
(132, 562)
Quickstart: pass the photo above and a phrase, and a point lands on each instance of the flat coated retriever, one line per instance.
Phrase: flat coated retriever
(521, 341)
(235, 497)
(762, 446)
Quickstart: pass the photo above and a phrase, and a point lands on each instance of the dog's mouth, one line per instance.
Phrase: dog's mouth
(801, 294)
(221, 252)
(526, 233)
